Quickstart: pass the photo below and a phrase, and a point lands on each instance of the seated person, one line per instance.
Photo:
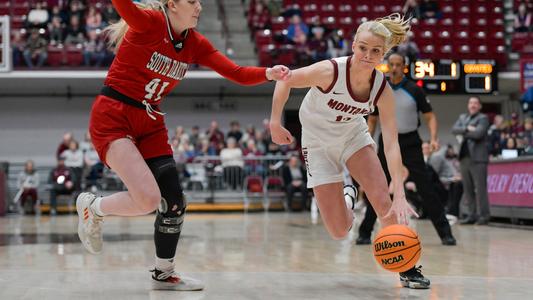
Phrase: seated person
(295, 180)
(62, 183)
(28, 182)
(232, 163)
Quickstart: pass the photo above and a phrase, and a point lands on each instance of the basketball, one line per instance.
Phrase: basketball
(397, 248)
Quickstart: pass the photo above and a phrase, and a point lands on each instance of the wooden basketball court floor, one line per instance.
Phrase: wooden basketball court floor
(254, 256)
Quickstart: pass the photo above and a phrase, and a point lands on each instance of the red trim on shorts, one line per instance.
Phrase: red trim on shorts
(335, 77)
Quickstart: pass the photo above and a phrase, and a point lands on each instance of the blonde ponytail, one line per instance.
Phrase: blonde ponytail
(115, 32)
(392, 28)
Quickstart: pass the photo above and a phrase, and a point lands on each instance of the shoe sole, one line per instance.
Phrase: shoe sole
(414, 285)
(158, 285)
(80, 228)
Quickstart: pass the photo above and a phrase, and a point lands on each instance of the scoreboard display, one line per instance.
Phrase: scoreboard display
(448, 76)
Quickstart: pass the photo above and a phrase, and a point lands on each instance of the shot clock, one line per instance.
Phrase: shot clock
(446, 76)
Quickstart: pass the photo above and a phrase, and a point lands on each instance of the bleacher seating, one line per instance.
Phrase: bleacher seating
(467, 29)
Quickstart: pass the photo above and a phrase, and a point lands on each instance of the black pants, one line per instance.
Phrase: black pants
(413, 159)
(291, 189)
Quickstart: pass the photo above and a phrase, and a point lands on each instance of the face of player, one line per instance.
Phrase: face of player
(185, 12)
(368, 50)
(396, 67)
(474, 106)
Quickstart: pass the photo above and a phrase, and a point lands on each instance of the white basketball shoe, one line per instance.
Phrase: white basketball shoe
(89, 224)
(170, 280)
(350, 196)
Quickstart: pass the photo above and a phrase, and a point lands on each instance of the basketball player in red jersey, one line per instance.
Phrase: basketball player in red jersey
(156, 44)
(335, 133)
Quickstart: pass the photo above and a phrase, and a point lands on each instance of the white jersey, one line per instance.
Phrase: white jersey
(334, 113)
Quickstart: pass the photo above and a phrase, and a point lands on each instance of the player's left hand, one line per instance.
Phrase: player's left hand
(278, 72)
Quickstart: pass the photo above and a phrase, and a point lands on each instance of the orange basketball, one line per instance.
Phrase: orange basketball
(397, 248)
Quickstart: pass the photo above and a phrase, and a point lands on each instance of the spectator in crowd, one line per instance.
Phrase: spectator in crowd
(76, 9)
(528, 135)
(292, 148)
(180, 134)
(252, 166)
(215, 136)
(232, 162)
(95, 50)
(65, 142)
(75, 34)
(249, 134)
(74, 160)
(17, 45)
(408, 48)
(86, 144)
(511, 146)
(455, 187)
(235, 131)
(38, 16)
(206, 148)
(93, 20)
(260, 141)
(495, 133)
(295, 180)
(522, 19)
(57, 12)
(259, 16)
(411, 9)
(429, 9)
(93, 166)
(56, 31)
(35, 53)
(448, 178)
(194, 137)
(274, 7)
(473, 128)
(318, 45)
(515, 127)
(297, 31)
(62, 183)
(337, 45)
(437, 160)
(109, 14)
(28, 182)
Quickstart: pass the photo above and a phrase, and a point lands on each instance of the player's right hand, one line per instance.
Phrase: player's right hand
(280, 135)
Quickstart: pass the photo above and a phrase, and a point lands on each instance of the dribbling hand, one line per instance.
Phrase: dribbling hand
(280, 135)
(401, 209)
(278, 73)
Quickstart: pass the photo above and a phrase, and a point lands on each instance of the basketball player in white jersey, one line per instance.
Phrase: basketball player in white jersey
(334, 131)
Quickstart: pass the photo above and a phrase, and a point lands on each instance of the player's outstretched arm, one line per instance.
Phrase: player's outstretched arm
(138, 19)
(319, 74)
(387, 118)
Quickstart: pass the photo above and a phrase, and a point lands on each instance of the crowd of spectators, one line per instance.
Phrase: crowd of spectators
(510, 138)
(315, 41)
(66, 26)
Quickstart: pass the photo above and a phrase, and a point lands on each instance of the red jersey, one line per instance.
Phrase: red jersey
(147, 67)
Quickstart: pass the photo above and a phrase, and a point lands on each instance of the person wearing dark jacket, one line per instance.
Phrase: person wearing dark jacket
(295, 180)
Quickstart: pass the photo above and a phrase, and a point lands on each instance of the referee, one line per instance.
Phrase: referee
(410, 99)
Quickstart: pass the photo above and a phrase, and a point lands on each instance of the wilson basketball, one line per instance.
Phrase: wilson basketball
(397, 248)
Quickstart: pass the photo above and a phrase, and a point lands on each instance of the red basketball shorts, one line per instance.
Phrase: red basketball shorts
(111, 120)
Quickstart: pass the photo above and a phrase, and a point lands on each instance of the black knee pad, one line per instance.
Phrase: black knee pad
(171, 211)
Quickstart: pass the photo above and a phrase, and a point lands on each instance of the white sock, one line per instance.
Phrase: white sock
(164, 264)
(95, 206)
(348, 201)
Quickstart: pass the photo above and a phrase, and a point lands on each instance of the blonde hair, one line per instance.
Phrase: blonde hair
(116, 32)
(393, 28)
